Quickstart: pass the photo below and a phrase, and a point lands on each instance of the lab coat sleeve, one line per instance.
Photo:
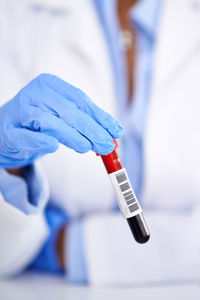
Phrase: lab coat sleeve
(23, 228)
(172, 254)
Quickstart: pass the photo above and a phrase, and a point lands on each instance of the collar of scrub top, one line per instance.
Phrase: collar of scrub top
(145, 15)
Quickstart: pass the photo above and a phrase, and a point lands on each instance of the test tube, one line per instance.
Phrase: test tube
(125, 195)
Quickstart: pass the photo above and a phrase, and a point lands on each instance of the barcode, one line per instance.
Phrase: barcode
(133, 207)
(125, 186)
(121, 177)
(127, 191)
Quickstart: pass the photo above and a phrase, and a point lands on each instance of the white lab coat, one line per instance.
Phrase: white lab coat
(62, 45)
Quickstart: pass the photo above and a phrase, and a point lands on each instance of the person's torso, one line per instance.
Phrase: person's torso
(44, 36)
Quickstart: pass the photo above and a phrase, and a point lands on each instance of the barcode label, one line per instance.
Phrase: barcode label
(125, 187)
(127, 200)
(134, 207)
(129, 196)
(121, 177)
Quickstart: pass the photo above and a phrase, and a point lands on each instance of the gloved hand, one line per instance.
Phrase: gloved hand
(49, 111)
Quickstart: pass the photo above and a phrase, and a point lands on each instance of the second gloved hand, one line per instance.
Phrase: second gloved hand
(49, 111)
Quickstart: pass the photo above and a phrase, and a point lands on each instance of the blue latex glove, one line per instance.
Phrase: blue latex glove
(49, 111)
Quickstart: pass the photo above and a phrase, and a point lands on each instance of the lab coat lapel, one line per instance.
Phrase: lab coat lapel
(171, 140)
(180, 21)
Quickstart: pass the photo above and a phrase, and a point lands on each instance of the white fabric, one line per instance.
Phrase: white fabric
(172, 140)
(21, 237)
(171, 255)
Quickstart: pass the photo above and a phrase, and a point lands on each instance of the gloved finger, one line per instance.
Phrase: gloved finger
(84, 103)
(23, 139)
(44, 122)
(101, 140)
